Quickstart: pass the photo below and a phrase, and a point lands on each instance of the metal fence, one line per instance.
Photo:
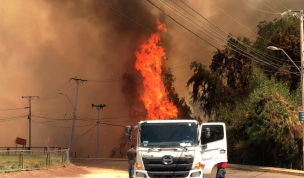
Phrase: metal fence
(16, 160)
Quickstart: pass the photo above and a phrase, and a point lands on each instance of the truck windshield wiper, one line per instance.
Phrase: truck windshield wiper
(156, 146)
(151, 149)
(183, 147)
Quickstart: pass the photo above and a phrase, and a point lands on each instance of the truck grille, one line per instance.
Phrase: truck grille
(179, 168)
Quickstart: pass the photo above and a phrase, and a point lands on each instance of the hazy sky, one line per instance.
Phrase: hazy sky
(45, 43)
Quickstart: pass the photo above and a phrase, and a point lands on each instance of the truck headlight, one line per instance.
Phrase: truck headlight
(196, 174)
(140, 174)
(138, 166)
(198, 165)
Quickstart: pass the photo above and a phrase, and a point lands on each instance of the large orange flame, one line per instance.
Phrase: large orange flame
(149, 61)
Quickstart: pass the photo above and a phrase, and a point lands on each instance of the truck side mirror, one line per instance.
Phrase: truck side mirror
(128, 130)
(129, 139)
(207, 133)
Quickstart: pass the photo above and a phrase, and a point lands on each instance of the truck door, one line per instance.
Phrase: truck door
(214, 145)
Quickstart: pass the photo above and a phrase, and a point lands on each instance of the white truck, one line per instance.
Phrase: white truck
(177, 148)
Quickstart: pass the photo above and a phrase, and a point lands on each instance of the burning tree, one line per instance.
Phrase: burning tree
(149, 62)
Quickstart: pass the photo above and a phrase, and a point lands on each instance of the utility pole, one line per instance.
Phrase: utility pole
(299, 14)
(98, 107)
(30, 118)
(77, 80)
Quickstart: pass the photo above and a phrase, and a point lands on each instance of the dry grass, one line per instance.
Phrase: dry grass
(30, 162)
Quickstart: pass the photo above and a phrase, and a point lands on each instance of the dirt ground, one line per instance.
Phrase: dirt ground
(78, 168)
(70, 171)
(118, 169)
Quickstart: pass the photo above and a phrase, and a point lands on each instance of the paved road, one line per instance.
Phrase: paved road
(231, 173)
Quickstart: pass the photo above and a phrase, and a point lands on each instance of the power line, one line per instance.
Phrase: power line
(183, 25)
(45, 123)
(12, 118)
(247, 46)
(106, 118)
(246, 54)
(282, 5)
(114, 80)
(190, 58)
(244, 27)
(55, 90)
(135, 21)
(86, 131)
(269, 6)
(51, 118)
(111, 124)
(56, 96)
(126, 16)
(12, 109)
(257, 8)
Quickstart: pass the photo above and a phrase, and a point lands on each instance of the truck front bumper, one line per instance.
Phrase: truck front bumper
(153, 174)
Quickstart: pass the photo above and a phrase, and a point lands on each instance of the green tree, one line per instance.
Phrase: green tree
(283, 33)
(266, 123)
(257, 100)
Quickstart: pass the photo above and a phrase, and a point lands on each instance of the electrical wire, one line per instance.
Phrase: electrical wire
(12, 118)
(45, 123)
(55, 90)
(116, 80)
(183, 25)
(257, 8)
(50, 118)
(111, 124)
(282, 5)
(86, 132)
(134, 21)
(125, 16)
(106, 118)
(253, 49)
(12, 109)
(244, 26)
(70, 90)
(187, 65)
(247, 54)
(269, 7)
(56, 96)
(176, 68)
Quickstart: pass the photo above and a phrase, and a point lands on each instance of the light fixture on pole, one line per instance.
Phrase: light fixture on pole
(276, 49)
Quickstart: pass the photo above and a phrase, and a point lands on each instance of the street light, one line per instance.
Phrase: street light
(67, 97)
(300, 15)
(276, 49)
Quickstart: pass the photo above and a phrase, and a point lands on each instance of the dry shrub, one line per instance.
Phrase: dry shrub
(36, 165)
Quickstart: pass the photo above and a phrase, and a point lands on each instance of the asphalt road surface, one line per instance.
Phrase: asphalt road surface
(231, 173)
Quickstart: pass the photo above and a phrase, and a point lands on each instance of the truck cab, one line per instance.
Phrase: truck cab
(177, 148)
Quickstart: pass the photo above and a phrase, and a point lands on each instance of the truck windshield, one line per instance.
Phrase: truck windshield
(167, 134)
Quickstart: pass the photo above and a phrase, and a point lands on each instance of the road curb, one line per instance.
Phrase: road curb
(266, 169)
